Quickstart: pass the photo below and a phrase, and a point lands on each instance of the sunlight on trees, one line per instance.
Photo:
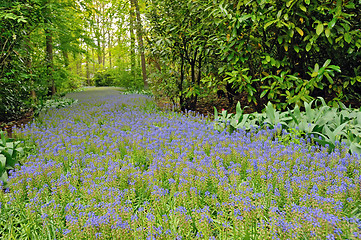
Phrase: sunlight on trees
(286, 52)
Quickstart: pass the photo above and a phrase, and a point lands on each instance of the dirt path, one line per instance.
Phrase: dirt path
(94, 92)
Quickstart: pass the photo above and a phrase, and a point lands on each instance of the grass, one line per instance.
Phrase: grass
(115, 167)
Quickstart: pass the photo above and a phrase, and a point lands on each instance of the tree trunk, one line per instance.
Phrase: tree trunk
(132, 41)
(87, 68)
(78, 65)
(140, 43)
(49, 59)
(97, 36)
(93, 57)
(110, 48)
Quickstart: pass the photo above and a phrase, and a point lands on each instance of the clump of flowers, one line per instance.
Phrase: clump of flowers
(112, 168)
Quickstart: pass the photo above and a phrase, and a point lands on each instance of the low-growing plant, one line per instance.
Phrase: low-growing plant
(10, 152)
(135, 91)
(53, 103)
(323, 124)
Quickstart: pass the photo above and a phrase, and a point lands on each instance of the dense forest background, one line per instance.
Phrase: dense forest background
(283, 51)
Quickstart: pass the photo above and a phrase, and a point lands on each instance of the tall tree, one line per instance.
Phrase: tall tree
(49, 46)
(132, 39)
(140, 42)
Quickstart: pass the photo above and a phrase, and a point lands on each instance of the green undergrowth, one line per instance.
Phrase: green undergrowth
(322, 124)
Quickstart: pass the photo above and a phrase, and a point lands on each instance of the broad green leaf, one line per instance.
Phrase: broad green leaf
(296, 48)
(299, 30)
(3, 138)
(215, 114)
(4, 177)
(319, 29)
(303, 8)
(328, 61)
(355, 148)
(330, 80)
(286, 47)
(2, 162)
(307, 2)
(315, 70)
(269, 24)
(332, 23)
(329, 134)
(270, 112)
(327, 32)
(238, 108)
(308, 47)
(347, 37)
(339, 129)
(263, 93)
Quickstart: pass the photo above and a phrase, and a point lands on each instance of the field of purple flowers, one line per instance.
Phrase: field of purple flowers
(115, 167)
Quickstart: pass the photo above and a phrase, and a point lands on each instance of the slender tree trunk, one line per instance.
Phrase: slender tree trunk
(97, 36)
(93, 57)
(50, 59)
(132, 41)
(87, 67)
(103, 25)
(110, 48)
(140, 43)
(28, 66)
(78, 65)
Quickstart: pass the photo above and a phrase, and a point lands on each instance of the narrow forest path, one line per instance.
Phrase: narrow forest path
(94, 92)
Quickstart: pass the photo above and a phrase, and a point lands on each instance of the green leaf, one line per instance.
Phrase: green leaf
(2, 163)
(288, 4)
(238, 108)
(347, 37)
(303, 8)
(332, 23)
(263, 93)
(271, 113)
(307, 2)
(215, 114)
(269, 24)
(3, 138)
(296, 48)
(327, 32)
(4, 177)
(299, 30)
(315, 70)
(330, 80)
(328, 61)
(319, 29)
(355, 148)
(308, 47)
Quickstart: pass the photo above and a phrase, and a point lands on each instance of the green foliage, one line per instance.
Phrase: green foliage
(179, 43)
(278, 41)
(328, 126)
(141, 92)
(10, 152)
(119, 77)
(53, 103)
(102, 79)
(14, 99)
